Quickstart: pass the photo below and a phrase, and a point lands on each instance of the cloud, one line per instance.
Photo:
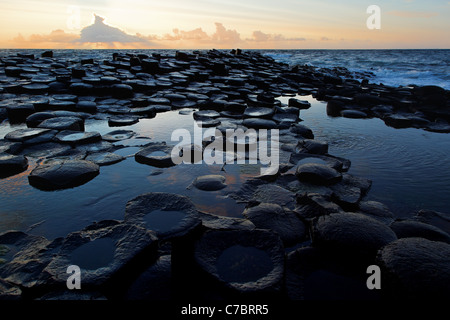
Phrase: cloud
(223, 35)
(412, 14)
(221, 38)
(99, 32)
(57, 39)
(101, 35)
(260, 36)
(196, 34)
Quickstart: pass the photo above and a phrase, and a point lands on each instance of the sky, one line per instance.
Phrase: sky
(224, 24)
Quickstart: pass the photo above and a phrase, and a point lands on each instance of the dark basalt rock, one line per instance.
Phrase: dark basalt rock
(21, 135)
(11, 165)
(86, 106)
(25, 257)
(76, 137)
(19, 112)
(120, 121)
(249, 262)
(42, 138)
(318, 174)
(312, 205)
(118, 135)
(199, 115)
(415, 268)
(376, 210)
(437, 219)
(397, 121)
(314, 274)
(210, 182)
(334, 108)
(170, 216)
(312, 146)
(10, 147)
(302, 130)
(45, 150)
(36, 88)
(355, 114)
(302, 158)
(9, 291)
(47, 54)
(63, 123)
(351, 232)
(181, 104)
(156, 154)
(148, 112)
(104, 158)
(273, 217)
(62, 174)
(215, 222)
(99, 146)
(82, 89)
(259, 112)
(109, 255)
(256, 123)
(272, 193)
(411, 229)
(349, 192)
(35, 119)
(300, 104)
(153, 284)
(285, 117)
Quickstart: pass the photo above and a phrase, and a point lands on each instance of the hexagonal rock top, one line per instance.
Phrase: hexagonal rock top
(157, 154)
(169, 215)
(247, 261)
(62, 174)
(103, 252)
(211, 182)
(318, 174)
(11, 165)
(416, 267)
(351, 232)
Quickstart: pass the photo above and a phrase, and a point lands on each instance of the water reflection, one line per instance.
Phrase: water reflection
(408, 167)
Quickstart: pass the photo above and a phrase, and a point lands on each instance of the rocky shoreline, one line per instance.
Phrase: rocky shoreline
(306, 232)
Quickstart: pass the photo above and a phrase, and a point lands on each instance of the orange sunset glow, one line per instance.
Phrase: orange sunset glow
(174, 24)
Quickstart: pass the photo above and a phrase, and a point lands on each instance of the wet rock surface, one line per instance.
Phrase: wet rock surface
(271, 216)
(11, 164)
(210, 182)
(307, 231)
(168, 215)
(242, 260)
(411, 264)
(62, 174)
(351, 231)
(156, 154)
(104, 252)
(318, 174)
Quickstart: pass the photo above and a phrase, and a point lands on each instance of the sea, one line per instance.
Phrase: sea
(390, 67)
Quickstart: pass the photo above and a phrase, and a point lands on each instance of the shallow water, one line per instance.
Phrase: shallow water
(57, 213)
(409, 167)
